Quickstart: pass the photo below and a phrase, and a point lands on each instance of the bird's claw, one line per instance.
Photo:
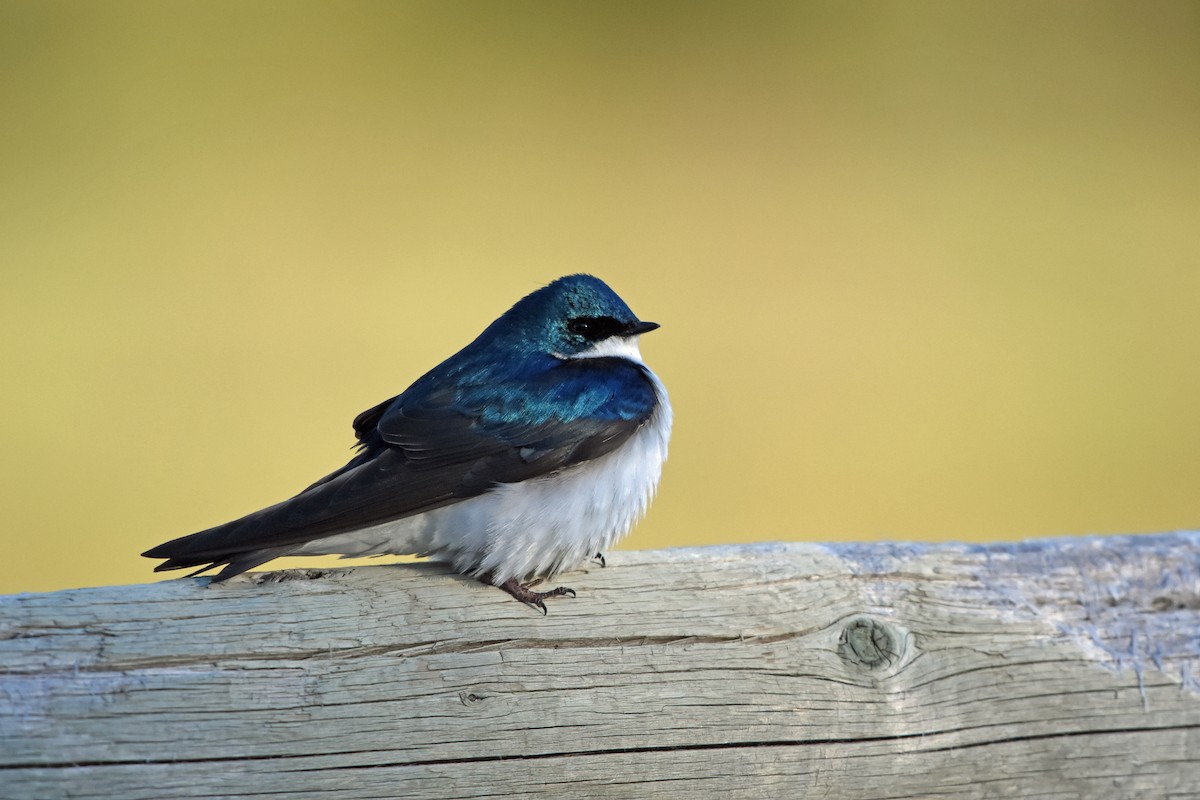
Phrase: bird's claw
(532, 598)
(600, 557)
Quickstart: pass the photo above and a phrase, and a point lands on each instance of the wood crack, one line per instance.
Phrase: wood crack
(695, 747)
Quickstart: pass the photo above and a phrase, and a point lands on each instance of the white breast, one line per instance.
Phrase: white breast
(537, 527)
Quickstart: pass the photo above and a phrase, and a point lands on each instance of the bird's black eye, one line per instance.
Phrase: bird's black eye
(580, 325)
(594, 328)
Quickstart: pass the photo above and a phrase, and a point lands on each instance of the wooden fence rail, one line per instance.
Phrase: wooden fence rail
(1062, 668)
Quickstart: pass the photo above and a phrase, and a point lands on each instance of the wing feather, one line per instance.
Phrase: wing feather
(426, 449)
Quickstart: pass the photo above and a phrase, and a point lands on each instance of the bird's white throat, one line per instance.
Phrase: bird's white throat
(614, 347)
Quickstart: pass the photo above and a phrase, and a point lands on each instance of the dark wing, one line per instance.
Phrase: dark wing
(424, 450)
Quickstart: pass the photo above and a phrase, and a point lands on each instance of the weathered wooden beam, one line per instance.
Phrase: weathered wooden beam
(1059, 668)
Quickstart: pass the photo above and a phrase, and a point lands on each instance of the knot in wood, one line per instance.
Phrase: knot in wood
(870, 643)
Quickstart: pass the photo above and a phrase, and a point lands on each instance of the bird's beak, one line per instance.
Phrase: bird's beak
(638, 328)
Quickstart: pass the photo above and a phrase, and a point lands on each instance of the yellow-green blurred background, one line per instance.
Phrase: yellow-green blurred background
(925, 270)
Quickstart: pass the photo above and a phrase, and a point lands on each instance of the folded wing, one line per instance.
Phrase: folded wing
(427, 449)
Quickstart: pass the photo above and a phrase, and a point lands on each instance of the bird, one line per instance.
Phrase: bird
(530, 451)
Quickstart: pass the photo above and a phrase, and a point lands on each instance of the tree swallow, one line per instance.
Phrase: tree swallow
(531, 450)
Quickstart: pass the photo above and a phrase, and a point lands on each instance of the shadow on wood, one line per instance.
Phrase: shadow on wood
(1061, 668)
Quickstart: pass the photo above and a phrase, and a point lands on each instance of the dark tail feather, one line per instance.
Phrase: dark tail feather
(361, 494)
(235, 563)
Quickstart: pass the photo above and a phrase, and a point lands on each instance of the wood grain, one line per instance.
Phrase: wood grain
(1052, 669)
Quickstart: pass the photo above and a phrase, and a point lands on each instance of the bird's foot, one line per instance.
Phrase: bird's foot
(530, 597)
(600, 557)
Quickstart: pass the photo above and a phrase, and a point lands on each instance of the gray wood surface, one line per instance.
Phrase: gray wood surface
(1051, 669)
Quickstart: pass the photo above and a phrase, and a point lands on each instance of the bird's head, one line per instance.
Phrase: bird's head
(576, 316)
